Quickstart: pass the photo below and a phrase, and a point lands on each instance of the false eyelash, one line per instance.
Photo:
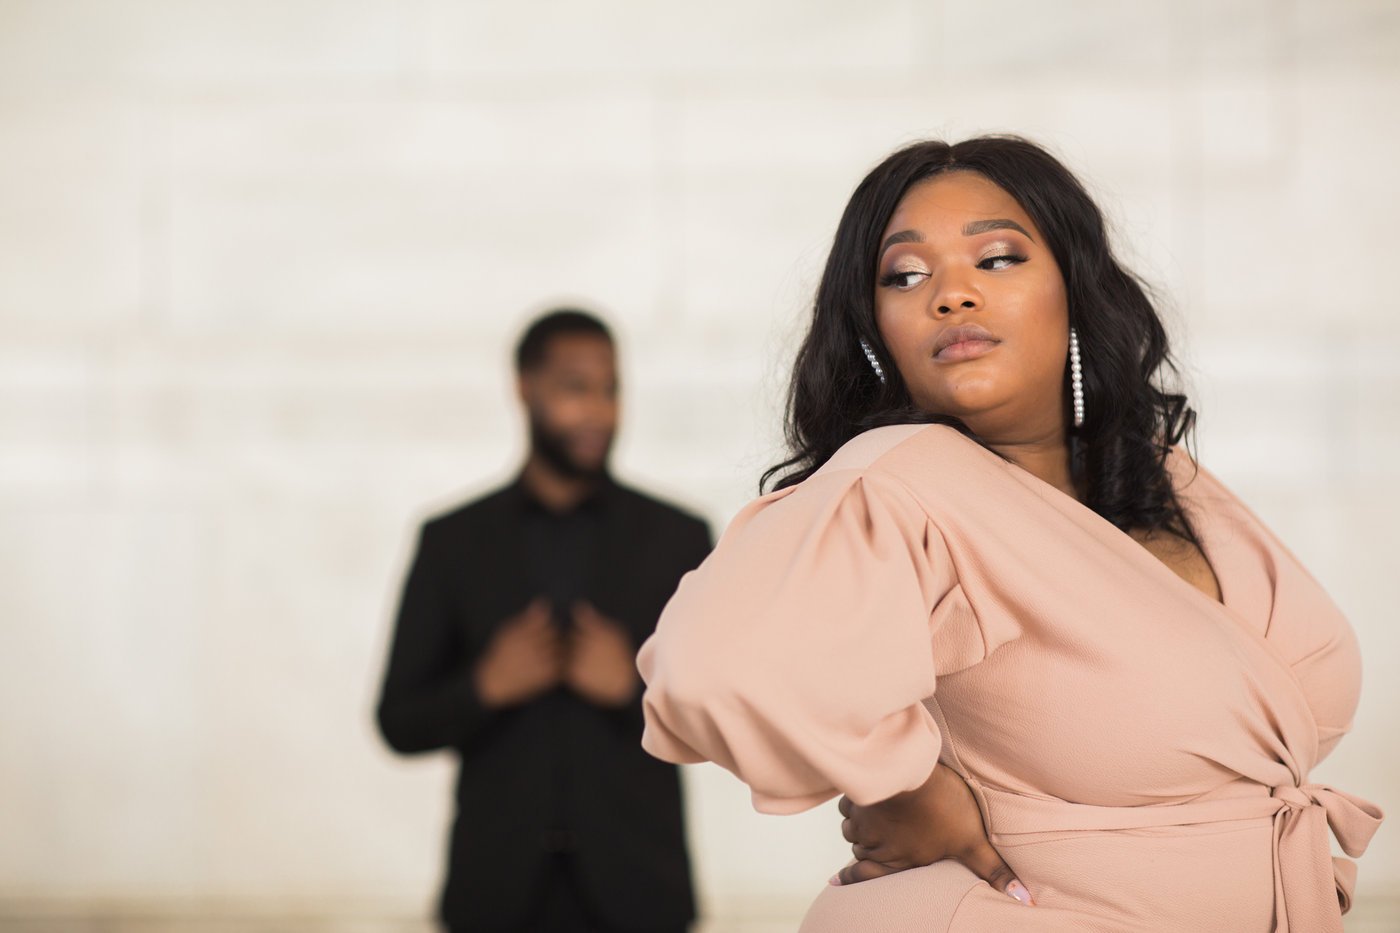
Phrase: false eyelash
(891, 278)
(1013, 258)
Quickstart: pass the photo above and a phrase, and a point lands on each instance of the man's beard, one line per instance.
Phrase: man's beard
(552, 447)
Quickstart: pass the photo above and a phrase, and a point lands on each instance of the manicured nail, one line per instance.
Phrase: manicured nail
(835, 879)
(1018, 891)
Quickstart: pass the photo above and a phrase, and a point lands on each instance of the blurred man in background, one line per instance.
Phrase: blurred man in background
(516, 646)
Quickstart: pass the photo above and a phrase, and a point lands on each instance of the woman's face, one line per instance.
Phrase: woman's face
(970, 303)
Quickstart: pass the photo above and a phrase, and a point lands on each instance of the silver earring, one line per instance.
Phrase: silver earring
(874, 362)
(1076, 378)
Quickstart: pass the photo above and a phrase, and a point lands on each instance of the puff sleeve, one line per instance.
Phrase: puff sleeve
(798, 653)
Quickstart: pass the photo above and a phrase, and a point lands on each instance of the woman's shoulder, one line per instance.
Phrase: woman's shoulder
(875, 472)
(887, 449)
(913, 468)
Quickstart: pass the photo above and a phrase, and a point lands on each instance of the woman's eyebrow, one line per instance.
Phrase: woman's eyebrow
(971, 228)
(903, 236)
(982, 226)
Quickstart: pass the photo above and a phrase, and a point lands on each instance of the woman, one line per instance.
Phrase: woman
(1064, 679)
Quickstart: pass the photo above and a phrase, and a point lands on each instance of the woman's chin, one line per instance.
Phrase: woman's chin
(968, 406)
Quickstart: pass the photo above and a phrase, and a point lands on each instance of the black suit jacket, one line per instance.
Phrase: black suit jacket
(469, 574)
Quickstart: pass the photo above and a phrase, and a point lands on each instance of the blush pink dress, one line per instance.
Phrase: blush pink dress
(1140, 752)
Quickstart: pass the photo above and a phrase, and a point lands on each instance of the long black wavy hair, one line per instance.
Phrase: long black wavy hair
(1118, 456)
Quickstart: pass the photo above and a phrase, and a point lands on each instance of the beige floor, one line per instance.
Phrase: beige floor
(1378, 915)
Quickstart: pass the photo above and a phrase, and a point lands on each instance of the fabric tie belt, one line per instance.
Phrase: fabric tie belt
(1311, 889)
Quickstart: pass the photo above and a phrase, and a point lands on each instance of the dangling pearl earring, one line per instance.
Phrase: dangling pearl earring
(1076, 378)
(874, 362)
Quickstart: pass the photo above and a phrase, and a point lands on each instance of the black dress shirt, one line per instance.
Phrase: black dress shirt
(559, 545)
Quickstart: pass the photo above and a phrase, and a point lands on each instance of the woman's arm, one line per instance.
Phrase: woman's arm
(797, 655)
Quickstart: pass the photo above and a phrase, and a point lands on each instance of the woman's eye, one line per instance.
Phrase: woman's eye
(1004, 261)
(901, 279)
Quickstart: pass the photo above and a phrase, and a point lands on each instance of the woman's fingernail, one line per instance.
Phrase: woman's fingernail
(835, 879)
(1017, 890)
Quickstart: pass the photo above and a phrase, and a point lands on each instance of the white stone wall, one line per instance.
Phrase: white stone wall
(261, 264)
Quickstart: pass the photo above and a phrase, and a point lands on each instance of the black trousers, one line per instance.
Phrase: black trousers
(562, 907)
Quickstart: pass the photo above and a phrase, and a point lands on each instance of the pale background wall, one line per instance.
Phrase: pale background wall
(261, 263)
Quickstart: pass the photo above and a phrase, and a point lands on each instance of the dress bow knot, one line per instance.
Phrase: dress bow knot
(1305, 874)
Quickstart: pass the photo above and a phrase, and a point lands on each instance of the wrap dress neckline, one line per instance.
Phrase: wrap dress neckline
(1302, 812)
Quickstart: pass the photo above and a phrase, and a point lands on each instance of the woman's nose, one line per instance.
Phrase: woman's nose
(955, 294)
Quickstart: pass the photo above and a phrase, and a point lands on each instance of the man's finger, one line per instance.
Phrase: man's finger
(844, 806)
(987, 865)
(589, 619)
(863, 870)
(542, 636)
(548, 646)
(535, 619)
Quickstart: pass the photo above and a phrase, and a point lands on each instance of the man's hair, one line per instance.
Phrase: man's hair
(534, 343)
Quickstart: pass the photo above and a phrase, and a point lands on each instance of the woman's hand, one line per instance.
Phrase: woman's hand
(937, 821)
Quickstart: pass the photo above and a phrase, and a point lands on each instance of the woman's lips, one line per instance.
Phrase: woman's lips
(965, 350)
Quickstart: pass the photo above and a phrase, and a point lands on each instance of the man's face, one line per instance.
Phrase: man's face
(572, 402)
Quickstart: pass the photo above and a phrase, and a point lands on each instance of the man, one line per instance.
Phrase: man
(516, 646)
